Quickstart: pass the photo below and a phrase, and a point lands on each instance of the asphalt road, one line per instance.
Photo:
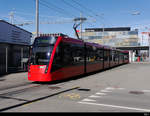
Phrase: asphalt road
(122, 89)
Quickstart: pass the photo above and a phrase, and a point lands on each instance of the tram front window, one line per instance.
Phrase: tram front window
(42, 49)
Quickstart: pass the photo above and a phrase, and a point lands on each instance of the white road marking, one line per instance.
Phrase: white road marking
(88, 100)
(110, 88)
(95, 96)
(146, 90)
(101, 93)
(105, 91)
(121, 88)
(115, 106)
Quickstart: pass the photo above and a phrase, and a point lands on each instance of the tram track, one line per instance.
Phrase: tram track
(37, 99)
(15, 86)
(26, 87)
(17, 91)
(11, 91)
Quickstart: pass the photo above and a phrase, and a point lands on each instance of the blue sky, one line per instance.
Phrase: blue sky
(107, 13)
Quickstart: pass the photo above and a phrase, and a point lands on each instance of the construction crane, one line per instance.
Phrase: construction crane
(59, 21)
(52, 22)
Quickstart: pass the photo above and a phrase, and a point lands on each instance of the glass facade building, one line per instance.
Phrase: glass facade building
(115, 37)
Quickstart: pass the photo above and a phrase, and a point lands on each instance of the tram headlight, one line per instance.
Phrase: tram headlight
(48, 54)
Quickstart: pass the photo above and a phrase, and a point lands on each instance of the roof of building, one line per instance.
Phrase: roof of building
(133, 48)
(14, 26)
(108, 29)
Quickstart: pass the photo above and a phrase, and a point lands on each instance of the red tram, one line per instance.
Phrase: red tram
(58, 57)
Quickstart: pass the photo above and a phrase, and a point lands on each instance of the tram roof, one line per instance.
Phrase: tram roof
(94, 44)
(72, 40)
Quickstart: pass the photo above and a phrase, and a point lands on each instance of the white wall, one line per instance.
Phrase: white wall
(131, 56)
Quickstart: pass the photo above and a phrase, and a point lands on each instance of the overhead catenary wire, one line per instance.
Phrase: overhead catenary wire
(42, 16)
(51, 7)
(55, 8)
(76, 8)
(82, 6)
(93, 13)
(63, 19)
(87, 14)
(90, 14)
(59, 10)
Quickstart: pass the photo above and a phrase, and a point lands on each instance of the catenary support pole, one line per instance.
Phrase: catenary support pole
(6, 59)
(37, 18)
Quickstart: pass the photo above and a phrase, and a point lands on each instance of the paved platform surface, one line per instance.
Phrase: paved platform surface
(122, 89)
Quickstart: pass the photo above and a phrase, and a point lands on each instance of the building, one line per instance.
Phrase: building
(14, 47)
(119, 37)
(115, 37)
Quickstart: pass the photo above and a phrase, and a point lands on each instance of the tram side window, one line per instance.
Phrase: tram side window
(73, 54)
(99, 55)
(113, 56)
(77, 54)
(106, 55)
(110, 55)
(90, 54)
(122, 56)
(63, 57)
(126, 56)
(119, 56)
(57, 61)
(116, 56)
(67, 55)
